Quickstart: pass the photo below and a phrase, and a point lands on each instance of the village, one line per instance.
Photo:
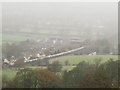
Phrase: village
(47, 48)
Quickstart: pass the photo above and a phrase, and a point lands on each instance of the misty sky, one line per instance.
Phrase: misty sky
(60, 15)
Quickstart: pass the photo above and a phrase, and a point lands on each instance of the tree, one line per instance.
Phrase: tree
(73, 77)
(98, 61)
(9, 50)
(28, 78)
(101, 46)
(112, 68)
(55, 66)
(92, 75)
(66, 62)
(45, 62)
(97, 78)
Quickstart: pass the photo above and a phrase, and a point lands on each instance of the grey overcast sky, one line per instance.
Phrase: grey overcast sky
(59, 14)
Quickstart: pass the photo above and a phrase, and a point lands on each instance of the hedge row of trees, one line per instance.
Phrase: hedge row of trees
(93, 76)
(85, 75)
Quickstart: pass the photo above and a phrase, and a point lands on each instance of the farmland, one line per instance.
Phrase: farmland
(17, 37)
(9, 73)
(22, 36)
(75, 59)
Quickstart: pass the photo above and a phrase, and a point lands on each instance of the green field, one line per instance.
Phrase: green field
(9, 73)
(23, 37)
(75, 59)
(16, 37)
(11, 37)
(8, 38)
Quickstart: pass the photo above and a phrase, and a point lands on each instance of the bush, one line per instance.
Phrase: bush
(55, 67)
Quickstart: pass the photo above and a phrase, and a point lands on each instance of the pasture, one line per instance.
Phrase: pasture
(22, 36)
(75, 59)
(9, 73)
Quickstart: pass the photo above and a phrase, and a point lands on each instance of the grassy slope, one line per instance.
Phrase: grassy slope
(6, 37)
(9, 73)
(75, 59)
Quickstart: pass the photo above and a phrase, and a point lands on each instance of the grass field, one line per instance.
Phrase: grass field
(23, 37)
(11, 37)
(9, 73)
(75, 59)
(8, 38)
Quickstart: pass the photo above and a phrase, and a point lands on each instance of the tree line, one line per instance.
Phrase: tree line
(84, 75)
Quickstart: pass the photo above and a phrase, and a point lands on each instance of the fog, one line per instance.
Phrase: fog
(63, 17)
